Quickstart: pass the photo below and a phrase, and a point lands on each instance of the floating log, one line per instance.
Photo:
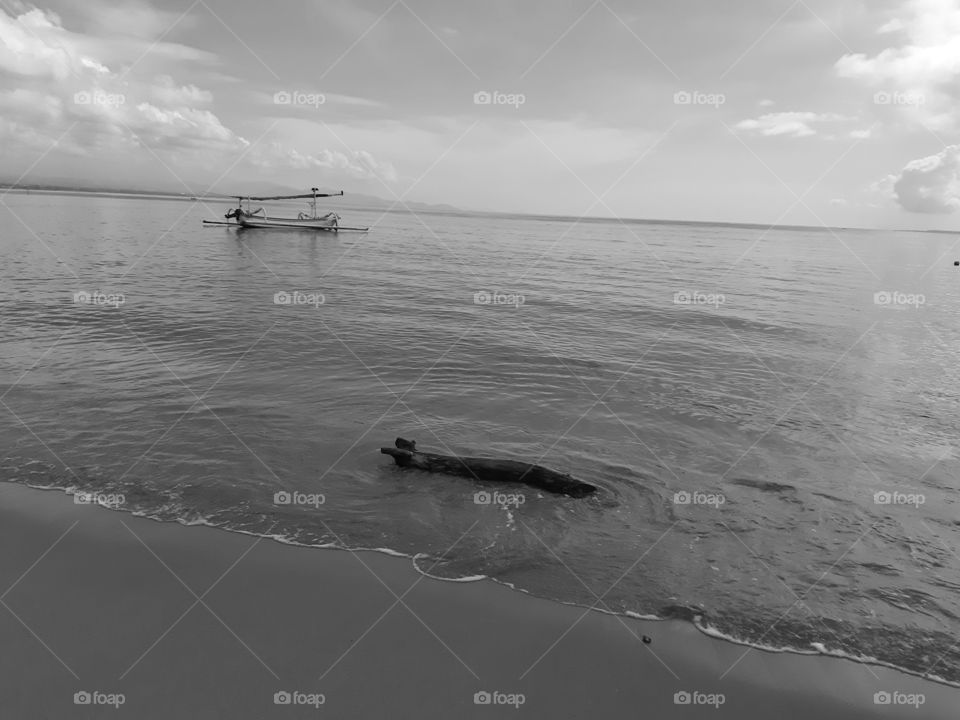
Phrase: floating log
(405, 454)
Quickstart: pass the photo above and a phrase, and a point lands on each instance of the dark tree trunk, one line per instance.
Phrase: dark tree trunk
(488, 470)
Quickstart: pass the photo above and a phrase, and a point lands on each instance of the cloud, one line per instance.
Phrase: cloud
(165, 91)
(184, 128)
(68, 100)
(880, 193)
(35, 44)
(91, 64)
(74, 100)
(358, 164)
(930, 184)
(352, 100)
(791, 124)
(925, 64)
(306, 99)
(893, 25)
(32, 45)
(928, 57)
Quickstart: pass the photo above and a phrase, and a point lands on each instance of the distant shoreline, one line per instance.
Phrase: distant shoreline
(53, 190)
(445, 210)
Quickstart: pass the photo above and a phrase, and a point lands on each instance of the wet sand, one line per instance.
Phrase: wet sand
(195, 622)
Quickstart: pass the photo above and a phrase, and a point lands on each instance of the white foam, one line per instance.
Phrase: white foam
(821, 649)
(198, 520)
(705, 628)
(386, 551)
(468, 578)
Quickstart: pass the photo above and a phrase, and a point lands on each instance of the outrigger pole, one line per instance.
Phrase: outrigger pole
(246, 218)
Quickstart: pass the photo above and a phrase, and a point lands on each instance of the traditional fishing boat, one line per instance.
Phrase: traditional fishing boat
(247, 218)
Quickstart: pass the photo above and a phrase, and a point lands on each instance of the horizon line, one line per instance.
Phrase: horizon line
(60, 188)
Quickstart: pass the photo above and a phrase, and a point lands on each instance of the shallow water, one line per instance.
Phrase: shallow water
(781, 407)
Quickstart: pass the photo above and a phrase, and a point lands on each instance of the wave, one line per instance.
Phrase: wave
(817, 648)
(696, 616)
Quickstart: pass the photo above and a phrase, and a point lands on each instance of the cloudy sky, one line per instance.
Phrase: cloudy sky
(806, 111)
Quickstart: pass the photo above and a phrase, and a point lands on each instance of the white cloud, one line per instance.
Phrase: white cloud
(930, 184)
(68, 100)
(92, 64)
(925, 63)
(358, 164)
(881, 193)
(165, 91)
(70, 96)
(180, 128)
(791, 124)
(323, 99)
(890, 26)
(351, 100)
(33, 45)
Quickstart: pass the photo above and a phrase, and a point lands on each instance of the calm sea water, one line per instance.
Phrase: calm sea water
(779, 403)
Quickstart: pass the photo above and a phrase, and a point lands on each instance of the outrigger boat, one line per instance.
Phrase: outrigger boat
(247, 218)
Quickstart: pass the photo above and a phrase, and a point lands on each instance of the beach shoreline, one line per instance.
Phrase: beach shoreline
(198, 622)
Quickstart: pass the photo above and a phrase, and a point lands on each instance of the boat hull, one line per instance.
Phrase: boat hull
(328, 222)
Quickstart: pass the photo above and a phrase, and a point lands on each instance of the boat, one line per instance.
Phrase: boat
(244, 217)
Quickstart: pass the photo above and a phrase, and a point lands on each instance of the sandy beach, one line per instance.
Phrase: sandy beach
(158, 620)
(473, 360)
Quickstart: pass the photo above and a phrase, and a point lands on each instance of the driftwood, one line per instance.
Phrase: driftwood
(405, 454)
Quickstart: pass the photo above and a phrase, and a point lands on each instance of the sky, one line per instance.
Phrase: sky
(776, 111)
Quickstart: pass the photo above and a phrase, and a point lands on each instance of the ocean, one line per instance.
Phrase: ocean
(769, 413)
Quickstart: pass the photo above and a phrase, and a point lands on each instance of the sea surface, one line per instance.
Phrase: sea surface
(739, 439)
